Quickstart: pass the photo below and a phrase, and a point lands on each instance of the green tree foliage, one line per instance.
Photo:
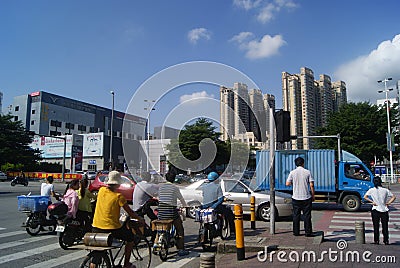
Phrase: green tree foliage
(240, 153)
(189, 140)
(14, 144)
(362, 128)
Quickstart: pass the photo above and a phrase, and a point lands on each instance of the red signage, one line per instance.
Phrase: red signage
(34, 94)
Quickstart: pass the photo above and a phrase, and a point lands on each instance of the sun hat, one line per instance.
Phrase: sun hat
(114, 177)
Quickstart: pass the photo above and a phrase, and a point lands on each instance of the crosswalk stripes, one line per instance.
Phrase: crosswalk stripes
(342, 224)
(22, 242)
(51, 255)
(27, 253)
(60, 260)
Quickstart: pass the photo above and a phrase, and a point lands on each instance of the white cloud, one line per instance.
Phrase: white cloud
(361, 74)
(265, 10)
(196, 34)
(258, 49)
(247, 4)
(195, 97)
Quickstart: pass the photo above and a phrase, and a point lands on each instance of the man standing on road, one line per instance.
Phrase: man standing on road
(303, 196)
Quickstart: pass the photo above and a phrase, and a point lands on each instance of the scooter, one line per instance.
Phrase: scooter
(69, 230)
(212, 225)
(19, 180)
(35, 207)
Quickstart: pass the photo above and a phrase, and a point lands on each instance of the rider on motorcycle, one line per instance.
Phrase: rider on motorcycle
(71, 198)
(144, 197)
(168, 195)
(47, 188)
(213, 198)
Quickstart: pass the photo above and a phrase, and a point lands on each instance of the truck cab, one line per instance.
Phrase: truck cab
(354, 180)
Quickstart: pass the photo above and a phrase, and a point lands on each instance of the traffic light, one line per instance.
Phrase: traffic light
(282, 122)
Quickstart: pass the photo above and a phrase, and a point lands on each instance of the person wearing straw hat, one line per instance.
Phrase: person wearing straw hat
(107, 214)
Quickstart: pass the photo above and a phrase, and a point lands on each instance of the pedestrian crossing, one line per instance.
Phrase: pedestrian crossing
(18, 249)
(342, 224)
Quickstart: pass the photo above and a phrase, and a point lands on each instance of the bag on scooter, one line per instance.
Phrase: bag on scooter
(206, 215)
(58, 209)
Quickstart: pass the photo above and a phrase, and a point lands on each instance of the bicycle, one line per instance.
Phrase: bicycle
(101, 246)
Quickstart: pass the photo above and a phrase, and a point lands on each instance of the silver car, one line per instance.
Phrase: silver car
(240, 193)
(3, 176)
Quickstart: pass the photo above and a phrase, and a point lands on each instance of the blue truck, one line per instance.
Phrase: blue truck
(343, 180)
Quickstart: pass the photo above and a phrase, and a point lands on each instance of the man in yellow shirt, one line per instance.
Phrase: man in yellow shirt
(107, 213)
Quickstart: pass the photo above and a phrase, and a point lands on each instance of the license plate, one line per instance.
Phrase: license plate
(60, 228)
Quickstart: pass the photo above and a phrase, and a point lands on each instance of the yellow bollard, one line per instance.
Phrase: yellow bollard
(239, 232)
(253, 212)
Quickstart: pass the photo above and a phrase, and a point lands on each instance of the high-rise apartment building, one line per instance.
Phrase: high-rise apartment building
(309, 102)
(244, 111)
(1, 102)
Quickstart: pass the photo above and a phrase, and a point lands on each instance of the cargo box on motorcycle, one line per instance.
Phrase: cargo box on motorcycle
(58, 209)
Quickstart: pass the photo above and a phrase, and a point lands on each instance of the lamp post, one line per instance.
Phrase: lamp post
(388, 124)
(112, 130)
(149, 109)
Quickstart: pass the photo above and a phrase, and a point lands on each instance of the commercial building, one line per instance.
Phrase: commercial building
(48, 114)
(309, 102)
(243, 111)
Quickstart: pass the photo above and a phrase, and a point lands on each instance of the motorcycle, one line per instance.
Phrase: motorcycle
(212, 225)
(19, 180)
(69, 230)
(35, 207)
(166, 235)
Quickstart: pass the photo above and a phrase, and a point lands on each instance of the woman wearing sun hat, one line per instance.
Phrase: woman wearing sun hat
(107, 213)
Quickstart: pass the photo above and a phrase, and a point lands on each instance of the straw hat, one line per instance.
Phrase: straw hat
(114, 178)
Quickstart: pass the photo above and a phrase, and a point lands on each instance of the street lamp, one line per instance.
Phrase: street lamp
(112, 129)
(388, 124)
(149, 109)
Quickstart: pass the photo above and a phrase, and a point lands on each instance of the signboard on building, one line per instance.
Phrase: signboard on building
(54, 148)
(93, 144)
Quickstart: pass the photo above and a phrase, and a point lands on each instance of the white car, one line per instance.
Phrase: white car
(240, 193)
(3, 176)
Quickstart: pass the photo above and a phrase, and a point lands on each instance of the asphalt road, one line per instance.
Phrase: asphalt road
(19, 249)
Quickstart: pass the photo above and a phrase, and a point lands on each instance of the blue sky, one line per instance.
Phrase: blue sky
(84, 49)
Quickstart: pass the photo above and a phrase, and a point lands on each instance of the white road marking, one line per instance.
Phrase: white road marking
(12, 233)
(23, 241)
(27, 253)
(60, 260)
(173, 263)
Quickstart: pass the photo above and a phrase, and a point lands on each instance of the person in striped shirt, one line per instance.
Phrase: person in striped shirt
(168, 195)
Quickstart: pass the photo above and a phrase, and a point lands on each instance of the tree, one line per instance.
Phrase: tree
(200, 136)
(362, 128)
(14, 144)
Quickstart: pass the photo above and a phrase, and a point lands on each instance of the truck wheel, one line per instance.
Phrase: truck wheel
(351, 203)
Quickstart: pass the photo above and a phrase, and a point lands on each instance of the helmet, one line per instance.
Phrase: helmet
(212, 176)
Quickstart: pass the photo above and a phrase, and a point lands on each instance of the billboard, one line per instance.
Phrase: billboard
(54, 148)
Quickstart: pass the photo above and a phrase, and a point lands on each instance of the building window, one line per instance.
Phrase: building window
(16, 108)
(55, 123)
(81, 128)
(69, 126)
(92, 130)
(33, 111)
(15, 118)
(55, 133)
(32, 122)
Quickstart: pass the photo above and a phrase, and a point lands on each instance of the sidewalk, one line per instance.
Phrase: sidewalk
(286, 250)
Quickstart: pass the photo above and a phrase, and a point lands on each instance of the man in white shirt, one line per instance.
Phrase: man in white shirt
(380, 198)
(303, 196)
(143, 192)
(47, 188)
